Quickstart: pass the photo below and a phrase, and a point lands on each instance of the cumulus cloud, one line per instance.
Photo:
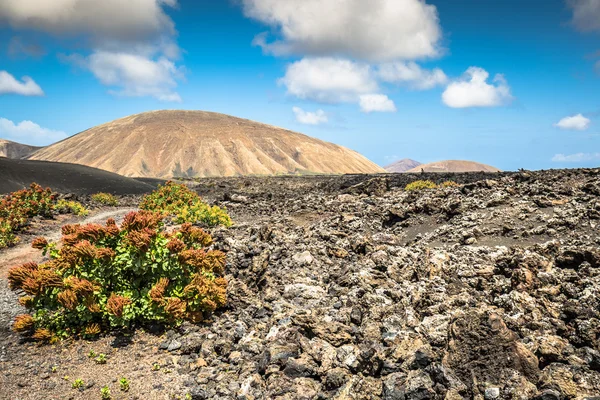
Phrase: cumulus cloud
(375, 30)
(310, 118)
(29, 132)
(328, 80)
(412, 74)
(132, 44)
(106, 20)
(136, 75)
(26, 87)
(586, 14)
(576, 122)
(473, 90)
(376, 103)
(578, 157)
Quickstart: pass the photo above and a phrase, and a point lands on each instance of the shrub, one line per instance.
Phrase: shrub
(107, 277)
(17, 207)
(105, 199)
(73, 207)
(449, 184)
(185, 205)
(7, 237)
(420, 185)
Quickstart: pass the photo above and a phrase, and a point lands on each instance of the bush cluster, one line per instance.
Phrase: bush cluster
(107, 277)
(106, 199)
(17, 208)
(184, 205)
(72, 207)
(420, 185)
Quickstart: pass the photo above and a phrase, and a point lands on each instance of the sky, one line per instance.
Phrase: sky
(512, 83)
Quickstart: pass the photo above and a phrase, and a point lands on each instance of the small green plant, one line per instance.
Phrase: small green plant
(188, 396)
(54, 368)
(105, 393)
(106, 199)
(101, 359)
(449, 184)
(420, 185)
(155, 367)
(73, 207)
(92, 354)
(184, 205)
(78, 384)
(124, 384)
(107, 277)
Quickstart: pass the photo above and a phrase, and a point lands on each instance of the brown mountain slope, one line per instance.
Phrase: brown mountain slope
(454, 166)
(163, 144)
(15, 150)
(402, 165)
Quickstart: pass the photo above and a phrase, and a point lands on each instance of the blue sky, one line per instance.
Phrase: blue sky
(509, 84)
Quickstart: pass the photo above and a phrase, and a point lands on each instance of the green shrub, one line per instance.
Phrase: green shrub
(448, 184)
(184, 205)
(73, 207)
(7, 237)
(105, 199)
(420, 185)
(106, 277)
(18, 207)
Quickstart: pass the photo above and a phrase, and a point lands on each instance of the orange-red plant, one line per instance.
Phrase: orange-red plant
(108, 277)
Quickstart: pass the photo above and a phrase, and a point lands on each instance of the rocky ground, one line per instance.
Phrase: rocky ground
(352, 288)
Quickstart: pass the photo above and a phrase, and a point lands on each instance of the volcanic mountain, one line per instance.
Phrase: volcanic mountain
(402, 165)
(163, 144)
(454, 166)
(15, 150)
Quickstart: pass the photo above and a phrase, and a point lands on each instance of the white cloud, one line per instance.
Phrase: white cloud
(132, 43)
(412, 74)
(328, 80)
(29, 133)
(473, 90)
(135, 75)
(375, 30)
(376, 103)
(586, 14)
(10, 85)
(576, 122)
(310, 118)
(106, 20)
(578, 157)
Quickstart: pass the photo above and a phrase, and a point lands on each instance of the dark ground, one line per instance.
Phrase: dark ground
(65, 178)
(351, 288)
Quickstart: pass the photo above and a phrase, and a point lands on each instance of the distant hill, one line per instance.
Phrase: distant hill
(454, 166)
(65, 178)
(163, 144)
(15, 150)
(402, 165)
